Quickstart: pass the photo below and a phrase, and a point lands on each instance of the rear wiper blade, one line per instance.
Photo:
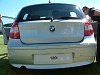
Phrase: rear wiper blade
(69, 18)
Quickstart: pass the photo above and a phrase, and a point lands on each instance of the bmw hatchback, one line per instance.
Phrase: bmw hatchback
(51, 36)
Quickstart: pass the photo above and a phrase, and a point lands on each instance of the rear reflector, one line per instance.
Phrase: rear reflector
(15, 34)
(88, 30)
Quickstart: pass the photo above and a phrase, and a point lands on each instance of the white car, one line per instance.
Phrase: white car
(51, 36)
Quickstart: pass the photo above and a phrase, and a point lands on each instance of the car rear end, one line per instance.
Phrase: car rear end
(48, 36)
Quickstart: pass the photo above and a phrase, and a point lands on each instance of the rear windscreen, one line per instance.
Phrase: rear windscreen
(48, 11)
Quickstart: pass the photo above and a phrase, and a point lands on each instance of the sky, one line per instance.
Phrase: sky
(12, 7)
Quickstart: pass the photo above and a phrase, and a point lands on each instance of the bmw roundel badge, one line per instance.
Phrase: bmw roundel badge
(52, 28)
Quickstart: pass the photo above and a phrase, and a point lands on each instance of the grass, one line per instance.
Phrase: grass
(5, 69)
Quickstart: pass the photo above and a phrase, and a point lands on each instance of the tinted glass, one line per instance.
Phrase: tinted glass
(48, 11)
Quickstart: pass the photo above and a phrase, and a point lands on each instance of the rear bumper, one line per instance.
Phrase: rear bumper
(53, 66)
(20, 54)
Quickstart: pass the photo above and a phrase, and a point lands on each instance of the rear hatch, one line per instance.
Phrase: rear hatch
(51, 32)
(51, 23)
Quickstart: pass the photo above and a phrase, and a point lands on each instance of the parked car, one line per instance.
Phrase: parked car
(6, 31)
(6, 28)
(1, 24)
(51, 36)
(0, 28)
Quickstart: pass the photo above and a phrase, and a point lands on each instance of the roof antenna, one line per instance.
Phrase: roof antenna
(49, 1)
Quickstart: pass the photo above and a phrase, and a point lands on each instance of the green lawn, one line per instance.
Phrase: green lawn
(5, 69)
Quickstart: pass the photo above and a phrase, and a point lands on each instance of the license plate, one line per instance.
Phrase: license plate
(53, 59)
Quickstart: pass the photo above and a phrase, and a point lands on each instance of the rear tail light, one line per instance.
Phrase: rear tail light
(14, 33)
(88, 30)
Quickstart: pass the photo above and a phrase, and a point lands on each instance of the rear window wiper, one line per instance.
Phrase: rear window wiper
(66, 18)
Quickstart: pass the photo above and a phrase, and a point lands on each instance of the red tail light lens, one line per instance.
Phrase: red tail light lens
(88, 30)
(15, 34)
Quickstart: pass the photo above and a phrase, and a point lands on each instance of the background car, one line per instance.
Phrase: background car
(6, 31)
(1, 24)
(50, 36)
(0, 28)
(6, 25)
